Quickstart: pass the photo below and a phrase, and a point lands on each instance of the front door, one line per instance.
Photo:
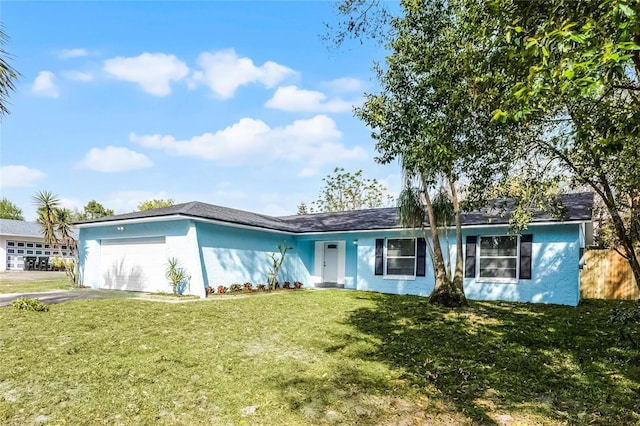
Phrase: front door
(330, 267)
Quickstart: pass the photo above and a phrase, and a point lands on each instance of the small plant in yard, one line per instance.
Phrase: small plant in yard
(27, 304)
(286, 284)
(235, 288)
(261, 287)
(209, 290)
(297, 284)
(248, 286)
(272, 276)
(222, 289)
(177, 276)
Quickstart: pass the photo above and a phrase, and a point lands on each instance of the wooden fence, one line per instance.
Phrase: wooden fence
(607, 275)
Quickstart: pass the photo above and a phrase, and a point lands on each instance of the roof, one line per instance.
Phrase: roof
(21, 228)
(577, 208)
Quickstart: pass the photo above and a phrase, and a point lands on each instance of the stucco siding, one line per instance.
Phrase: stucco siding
(554, 269)
(180, 242)
(237, 255)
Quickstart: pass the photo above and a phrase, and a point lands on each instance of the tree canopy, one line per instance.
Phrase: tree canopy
(92, 210)
(155, 204)
(344, 191)
(8, 210)
(473, 89)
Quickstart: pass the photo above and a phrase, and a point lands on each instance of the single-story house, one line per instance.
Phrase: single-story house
(21, 240)
(363, 249)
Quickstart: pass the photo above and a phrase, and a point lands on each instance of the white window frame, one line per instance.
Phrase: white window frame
(496, 279)
(386, 257)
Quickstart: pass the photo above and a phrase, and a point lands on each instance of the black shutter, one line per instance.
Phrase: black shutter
(470, 257)
(421, 257)
(379, 256)
(525, 256)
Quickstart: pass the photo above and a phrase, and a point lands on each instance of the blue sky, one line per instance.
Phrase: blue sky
(239, 104)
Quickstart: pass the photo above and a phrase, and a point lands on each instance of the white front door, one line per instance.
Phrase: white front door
(330, 267)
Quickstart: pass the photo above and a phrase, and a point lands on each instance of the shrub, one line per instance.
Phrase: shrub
(209, 290)
(248, 287)
(286, 284)
(235, 288)
(297, 284)
(27, 304)
(261, 287)
(222, 289)
(177, 276)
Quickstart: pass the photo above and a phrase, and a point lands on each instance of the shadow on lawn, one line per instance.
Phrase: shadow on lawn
(557, 363)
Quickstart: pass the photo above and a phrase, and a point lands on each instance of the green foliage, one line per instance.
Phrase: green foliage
(155, 204)
(276, 263)
(8, 75)
(8, 210)
(27, 304)
(303, 209)
(47, 206)
(177, 276)
(92, 210)
(344, 191)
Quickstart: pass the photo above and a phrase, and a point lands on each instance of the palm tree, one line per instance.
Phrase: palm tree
(64, 218)
(8, 75)
(47, 207)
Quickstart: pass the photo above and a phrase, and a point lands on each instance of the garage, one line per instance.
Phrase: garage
(135, 264)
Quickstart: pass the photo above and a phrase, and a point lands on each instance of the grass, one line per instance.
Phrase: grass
(7, 286)
(316, 357)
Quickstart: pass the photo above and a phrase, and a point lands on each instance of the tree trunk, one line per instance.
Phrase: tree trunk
(448, 291)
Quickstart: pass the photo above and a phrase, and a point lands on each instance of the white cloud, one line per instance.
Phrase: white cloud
(249, 141)
(307, 172)
(72, 53)
(16, 176)
(114, 159)
(290, 98)
(346, 84)
(224, 71)
(45, 85)
(152, 71)
(78, 75)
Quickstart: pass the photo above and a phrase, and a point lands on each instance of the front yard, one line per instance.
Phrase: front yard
(316, 357)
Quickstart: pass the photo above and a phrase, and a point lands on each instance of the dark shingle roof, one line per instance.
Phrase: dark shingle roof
(577, 208)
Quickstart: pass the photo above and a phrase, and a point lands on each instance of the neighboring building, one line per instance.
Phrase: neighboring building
(20, 239)
(363, 249)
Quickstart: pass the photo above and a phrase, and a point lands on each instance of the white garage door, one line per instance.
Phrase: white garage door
(136, 264)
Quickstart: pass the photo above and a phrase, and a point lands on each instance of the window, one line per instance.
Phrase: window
(20, 244)
(498, 258)
(38, 245)
(401, 257)
(30, 245)
(11, 251)
(11, 243)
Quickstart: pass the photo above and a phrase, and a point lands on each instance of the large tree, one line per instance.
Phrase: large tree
(567, 74)
(344, 191)
(8, 210)
(426, 115)
(8, 75)
(572, 69)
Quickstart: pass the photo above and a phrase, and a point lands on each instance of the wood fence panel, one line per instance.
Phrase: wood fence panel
(607, 275)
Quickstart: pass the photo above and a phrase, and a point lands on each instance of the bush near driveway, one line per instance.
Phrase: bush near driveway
(333, 357)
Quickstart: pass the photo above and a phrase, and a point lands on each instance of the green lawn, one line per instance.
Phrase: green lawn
(7, 286)
(316, 357)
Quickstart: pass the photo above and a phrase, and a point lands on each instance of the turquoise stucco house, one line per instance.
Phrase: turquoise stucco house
(363, 249)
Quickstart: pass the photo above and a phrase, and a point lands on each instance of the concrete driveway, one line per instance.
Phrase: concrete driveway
(59, 296)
